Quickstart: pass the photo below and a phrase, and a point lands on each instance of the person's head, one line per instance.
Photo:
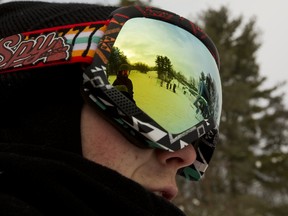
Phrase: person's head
(124, 70)
(55, 88)
(42, 106)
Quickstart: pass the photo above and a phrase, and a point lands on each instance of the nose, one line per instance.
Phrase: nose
(181, 158)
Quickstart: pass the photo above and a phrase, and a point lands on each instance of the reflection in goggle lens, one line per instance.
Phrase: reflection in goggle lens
(173, 77)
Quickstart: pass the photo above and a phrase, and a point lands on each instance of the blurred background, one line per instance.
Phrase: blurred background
(248, 173)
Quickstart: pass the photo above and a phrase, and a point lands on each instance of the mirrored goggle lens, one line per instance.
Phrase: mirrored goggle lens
(173, 77)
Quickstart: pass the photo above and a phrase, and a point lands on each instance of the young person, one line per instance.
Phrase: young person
(71, 143)
(122, 81)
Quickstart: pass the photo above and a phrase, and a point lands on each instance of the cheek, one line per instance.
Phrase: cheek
(144, 165)
(103, 144)
(134, 160)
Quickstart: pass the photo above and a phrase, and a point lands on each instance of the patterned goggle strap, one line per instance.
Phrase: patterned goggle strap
(52, 46)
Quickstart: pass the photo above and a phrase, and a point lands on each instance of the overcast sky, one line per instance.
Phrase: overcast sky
(271, 18)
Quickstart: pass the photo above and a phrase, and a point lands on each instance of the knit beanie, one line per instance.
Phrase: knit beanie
(43, 106)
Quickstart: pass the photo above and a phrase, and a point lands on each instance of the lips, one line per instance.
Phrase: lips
(168, 193)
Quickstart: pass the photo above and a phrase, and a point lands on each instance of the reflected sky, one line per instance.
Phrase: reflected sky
(142, 39)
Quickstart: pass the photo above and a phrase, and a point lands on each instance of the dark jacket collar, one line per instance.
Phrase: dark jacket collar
(54, 182)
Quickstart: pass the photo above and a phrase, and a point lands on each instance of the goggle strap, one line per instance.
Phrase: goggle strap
(67, 44)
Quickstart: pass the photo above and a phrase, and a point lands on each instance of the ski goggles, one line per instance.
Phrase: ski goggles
(172, 96)
(174, 75)
(124, 73)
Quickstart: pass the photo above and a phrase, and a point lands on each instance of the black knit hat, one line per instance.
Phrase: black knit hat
(43, 106)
